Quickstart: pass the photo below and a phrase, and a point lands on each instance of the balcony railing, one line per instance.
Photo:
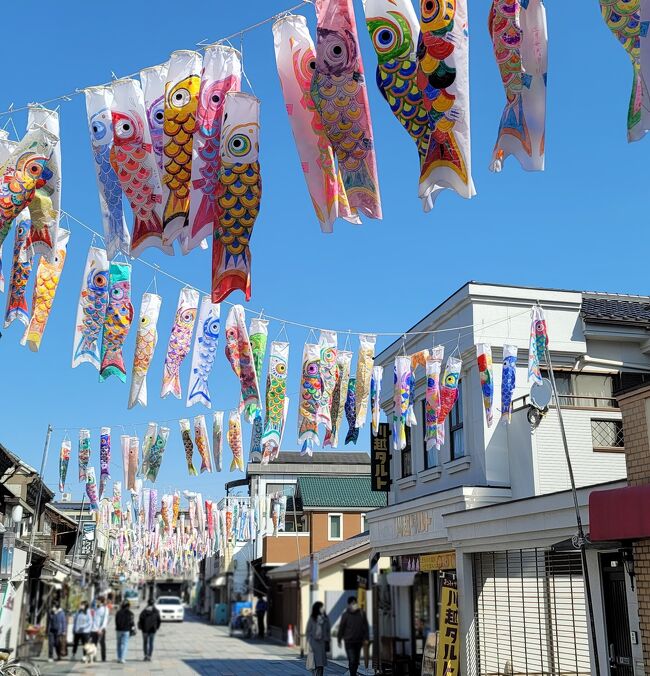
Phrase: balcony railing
(575, 401)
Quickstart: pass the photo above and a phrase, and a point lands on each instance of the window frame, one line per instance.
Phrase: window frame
(459, 426)
(329, 526)
(608, 449)
(407, 452)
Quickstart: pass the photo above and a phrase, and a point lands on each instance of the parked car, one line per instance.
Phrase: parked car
(170, 608)
(133, 597)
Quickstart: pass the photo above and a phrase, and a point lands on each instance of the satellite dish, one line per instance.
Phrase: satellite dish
(540, 395)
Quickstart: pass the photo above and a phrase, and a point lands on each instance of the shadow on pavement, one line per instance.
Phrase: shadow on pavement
(255, 667)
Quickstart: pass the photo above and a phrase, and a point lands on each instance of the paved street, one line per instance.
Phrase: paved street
(195, 647)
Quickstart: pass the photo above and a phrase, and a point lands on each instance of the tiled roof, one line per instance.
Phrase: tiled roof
(341, 492)
(610, 309)
(323, 458)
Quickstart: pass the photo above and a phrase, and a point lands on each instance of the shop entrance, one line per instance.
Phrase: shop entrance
(619, 645)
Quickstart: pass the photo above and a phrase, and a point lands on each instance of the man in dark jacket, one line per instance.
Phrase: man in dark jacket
(260, 610)
(56, 629)
(149, 623)
(354, 630)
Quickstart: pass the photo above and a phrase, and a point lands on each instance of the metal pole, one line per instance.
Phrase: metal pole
(74, 551)
(37, 510)
(581, 533)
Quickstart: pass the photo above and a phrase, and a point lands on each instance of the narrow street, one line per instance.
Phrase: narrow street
(194, 647)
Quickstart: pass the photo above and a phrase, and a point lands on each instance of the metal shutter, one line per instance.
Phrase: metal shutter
(530, 615)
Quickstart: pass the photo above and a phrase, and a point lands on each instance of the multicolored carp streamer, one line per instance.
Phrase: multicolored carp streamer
(132, 469)
(46, 203)
(181, 99)
(134, 162)
(311, 392)
(365, 360)
(339, 93)
(538, 344)
(235, 441)
(147, 446)
(217, 440)
(202, 443)
(84, 453)
(153, 81)
(327, 343)
(166, 512)
(351, 413)
(186, 436)
(176, 508)
(394, 31)
(375, 394)
(93, 301)
(432, 396)
(448, 393)
(153, 508)
(402, 374)
(221, 74)
(518, 32)
(117, 503)
(204, 353)
(119, 315)
(508, 378)
(257, 430)
(145, 344)
(91, 489)
(23, 172)
(21, 269)
(238, 196)
(180, 341)
(125, 443)
(484, 358)
(64, 461)
(104, 458)
(339, 396)
(276, 388)
(295, 57)
(99, 101)
(623, 18)
(443, 79)
(47, 282)
(156, 454)
(2, 276)
(240, 355)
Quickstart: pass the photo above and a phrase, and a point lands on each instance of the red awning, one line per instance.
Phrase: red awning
(619, 514)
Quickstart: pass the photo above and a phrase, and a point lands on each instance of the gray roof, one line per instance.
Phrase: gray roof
(324, 556)
(322, 458)
(608, 309)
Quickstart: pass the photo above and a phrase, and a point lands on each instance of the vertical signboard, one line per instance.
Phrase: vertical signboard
(87, 539)
(380, 458)
(448, 650)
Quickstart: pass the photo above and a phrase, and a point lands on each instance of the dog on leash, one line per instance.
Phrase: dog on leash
(90, 652)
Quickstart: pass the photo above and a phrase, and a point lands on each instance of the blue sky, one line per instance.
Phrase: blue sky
(580, 224)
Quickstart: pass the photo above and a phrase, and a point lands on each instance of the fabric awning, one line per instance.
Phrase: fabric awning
(400, 579)
(619, 514)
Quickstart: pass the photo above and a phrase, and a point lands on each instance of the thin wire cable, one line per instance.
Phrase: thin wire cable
(201, 45)
(309, 327)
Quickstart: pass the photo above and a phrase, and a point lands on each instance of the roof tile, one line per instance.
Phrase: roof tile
(315, 491)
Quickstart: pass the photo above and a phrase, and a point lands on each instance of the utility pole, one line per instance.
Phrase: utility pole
(74, 551)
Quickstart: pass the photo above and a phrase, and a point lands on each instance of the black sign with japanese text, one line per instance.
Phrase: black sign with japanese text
(380, 458)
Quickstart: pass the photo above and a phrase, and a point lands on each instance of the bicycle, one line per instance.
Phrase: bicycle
(16, 667)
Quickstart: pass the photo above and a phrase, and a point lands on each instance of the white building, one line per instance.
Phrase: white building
(493, 503)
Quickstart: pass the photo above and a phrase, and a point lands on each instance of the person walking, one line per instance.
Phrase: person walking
(125, 627)
(354, 630)
(318, 639)
(56, 626)
(81, 627)
(148, 624)
(100, 622)
(260, 611)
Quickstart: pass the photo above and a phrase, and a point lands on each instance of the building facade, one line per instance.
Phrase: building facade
(490, 511)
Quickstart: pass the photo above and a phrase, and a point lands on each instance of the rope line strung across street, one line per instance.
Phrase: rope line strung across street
(201, 45)
(309, 327)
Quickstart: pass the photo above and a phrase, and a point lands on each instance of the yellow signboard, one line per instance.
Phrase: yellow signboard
(438, 561)
(447, 655)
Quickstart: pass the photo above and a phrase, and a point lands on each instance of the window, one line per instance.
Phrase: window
(407, 464)
(364, 523)
(589, 390)
(456, 441)
(430, 454)
(607, 435)
(335, 526)
(281, 489)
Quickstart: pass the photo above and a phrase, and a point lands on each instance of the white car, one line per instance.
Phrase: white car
(170, 608)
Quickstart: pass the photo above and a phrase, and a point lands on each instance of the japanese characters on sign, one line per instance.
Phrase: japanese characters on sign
(380, 459)
(447, 655)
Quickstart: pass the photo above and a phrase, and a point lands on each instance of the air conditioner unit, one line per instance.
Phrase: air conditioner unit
(66, 497)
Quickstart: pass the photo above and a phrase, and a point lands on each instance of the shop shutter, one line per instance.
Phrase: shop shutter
(530, 615)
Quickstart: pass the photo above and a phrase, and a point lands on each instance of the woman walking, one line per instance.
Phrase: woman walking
(82, 626)
(318, 639)
(125, 626)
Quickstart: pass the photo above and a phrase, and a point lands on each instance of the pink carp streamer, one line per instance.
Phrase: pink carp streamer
(328, 351)
(432, 396)
(484, 359)
(145, 345)
(311, 390)
(221, 74)
(64, 460)
(400, 401)
(84, 453)
(339, 92)
(91, 489)
(21, 270)
(448, 393)
(295, 57)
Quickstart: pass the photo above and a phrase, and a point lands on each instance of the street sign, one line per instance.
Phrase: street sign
(87, 539)
(380, 459)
